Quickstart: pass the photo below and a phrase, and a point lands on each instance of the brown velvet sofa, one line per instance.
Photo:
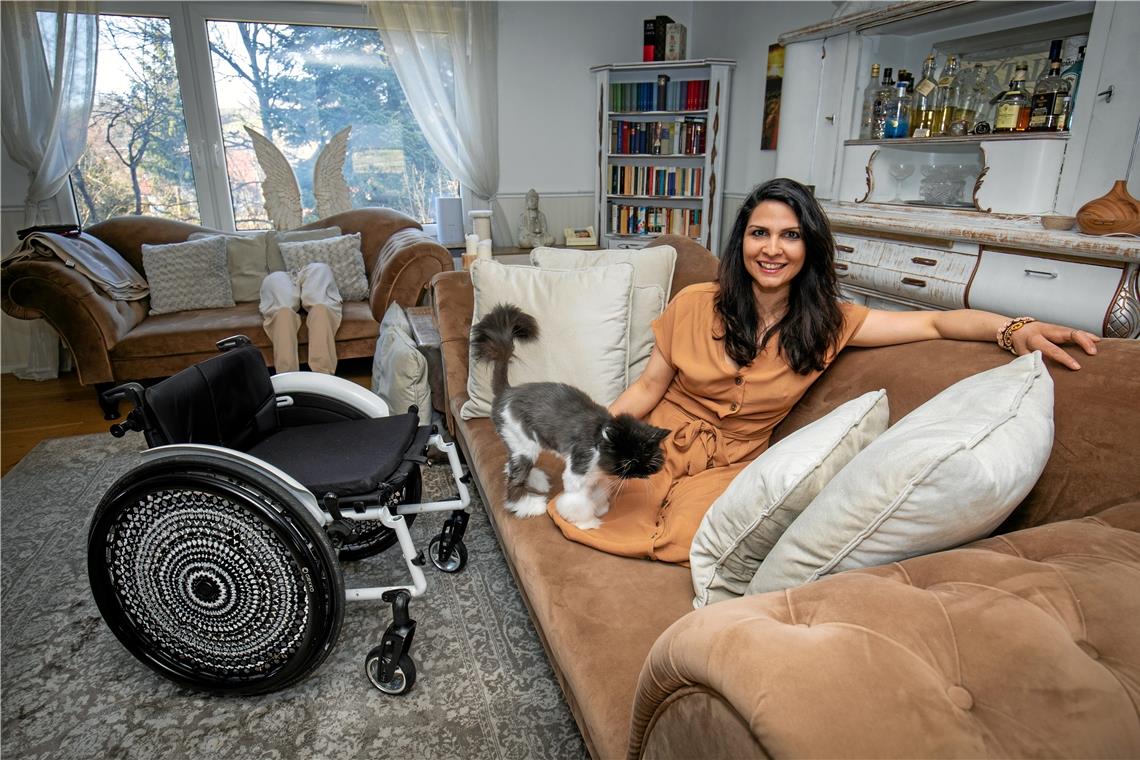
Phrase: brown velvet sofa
(114, 341)
(1023, 644)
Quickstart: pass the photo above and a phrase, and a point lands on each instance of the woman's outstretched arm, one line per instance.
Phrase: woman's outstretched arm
(886, 328)
(640, 398)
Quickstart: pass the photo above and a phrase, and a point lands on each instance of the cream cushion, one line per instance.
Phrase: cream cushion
(947, 473)
(652, 279)
(275, 239)
(583, 318)
(247, 258)
(399, 370)
(343, 256)
(745, 521)
(185, 276)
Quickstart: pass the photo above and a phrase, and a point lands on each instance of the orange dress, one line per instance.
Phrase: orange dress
(721, 417)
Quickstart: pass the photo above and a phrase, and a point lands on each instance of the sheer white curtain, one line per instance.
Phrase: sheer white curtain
(445, 55)
(47, 106)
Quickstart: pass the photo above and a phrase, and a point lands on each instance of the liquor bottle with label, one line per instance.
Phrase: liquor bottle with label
(944, 97)
(878, 108)
(922, 119)
(869, 103)
(973, 97)
(898, 113)
(1072, 75)
(1012, 113)
(1050, 101)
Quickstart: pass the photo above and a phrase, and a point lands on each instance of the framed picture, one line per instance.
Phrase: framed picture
(580, 236)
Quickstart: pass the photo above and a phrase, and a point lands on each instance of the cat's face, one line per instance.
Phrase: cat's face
(630, 448)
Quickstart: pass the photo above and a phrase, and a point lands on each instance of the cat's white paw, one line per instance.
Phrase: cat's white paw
(577, 507)
(590, 524)
(538, 481)
(530, 505)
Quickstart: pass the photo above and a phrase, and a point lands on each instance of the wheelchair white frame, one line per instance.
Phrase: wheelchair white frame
(372, 406)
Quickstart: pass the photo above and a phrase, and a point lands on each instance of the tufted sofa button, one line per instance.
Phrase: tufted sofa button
(960, 698)
(1089, 649)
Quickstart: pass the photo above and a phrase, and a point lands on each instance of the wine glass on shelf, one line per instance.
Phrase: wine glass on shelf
(900, 171)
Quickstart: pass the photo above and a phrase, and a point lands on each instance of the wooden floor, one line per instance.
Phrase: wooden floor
(34, 410)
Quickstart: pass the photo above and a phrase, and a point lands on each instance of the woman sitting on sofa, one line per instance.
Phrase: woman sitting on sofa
(733, 356)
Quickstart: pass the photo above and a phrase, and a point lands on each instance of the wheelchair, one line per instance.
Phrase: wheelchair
(215, 561)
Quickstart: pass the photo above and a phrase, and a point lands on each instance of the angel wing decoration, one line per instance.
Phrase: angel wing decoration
(280, 190)
(329, 185)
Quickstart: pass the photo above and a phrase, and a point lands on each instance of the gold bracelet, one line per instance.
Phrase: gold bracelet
(1005, 335)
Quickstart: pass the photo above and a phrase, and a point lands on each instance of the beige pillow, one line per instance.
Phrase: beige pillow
(273, 243)
(946, 474)
(343, 256)
(760, 503)
(583, 318)
(185, 276)
(652, 279)
(399, 370)
(247, 258)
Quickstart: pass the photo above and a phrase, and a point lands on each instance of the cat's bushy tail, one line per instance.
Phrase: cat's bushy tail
(493, 339)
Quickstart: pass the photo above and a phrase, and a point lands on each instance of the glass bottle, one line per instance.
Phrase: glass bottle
(1012, 113)
(882, 95)
(1050, 102)
(898, 113)
(869, 103)
(944, 97)
(922, 119)
(973, 94)
(1072, 74)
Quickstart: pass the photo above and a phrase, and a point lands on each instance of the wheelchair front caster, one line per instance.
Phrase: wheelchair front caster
(449, 562)
(403, 677)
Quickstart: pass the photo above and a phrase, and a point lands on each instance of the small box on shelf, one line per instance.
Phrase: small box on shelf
(675, 42)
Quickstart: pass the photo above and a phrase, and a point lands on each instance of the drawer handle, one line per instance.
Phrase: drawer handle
(1042, 273)
(925, 262)
(844, 248)
(841, 266)
(914, 281)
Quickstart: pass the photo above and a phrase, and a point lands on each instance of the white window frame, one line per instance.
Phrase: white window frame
(196, 80)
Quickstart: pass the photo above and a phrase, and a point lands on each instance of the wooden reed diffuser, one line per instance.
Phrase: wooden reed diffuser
(1114, 212)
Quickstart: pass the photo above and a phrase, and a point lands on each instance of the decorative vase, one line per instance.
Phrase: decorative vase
(1115, 211)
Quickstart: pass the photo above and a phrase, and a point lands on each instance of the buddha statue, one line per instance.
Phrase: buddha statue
(532, 224)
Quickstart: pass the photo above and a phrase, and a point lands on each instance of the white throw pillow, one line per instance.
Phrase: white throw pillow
(343, 256)
(583, 319)
(399, 370)
(652, 279)
(760, 503)
(247, 257)
(185, 276)
(274, 240)
(946, 474)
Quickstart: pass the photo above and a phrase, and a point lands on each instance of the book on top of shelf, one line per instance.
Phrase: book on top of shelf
(675, 42)
(648, 38)
(660, 27)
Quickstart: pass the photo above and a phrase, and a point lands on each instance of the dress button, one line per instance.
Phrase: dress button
(739, 380)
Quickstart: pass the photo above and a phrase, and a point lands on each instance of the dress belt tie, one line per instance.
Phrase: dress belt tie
(698, 458)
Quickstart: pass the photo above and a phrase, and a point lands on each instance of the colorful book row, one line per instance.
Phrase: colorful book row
(668, 181)
(654, 220)
(658, 138)
(681, 95)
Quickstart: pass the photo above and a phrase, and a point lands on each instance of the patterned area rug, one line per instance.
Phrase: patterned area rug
(484, 688)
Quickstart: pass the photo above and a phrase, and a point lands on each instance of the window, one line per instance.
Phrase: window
(138, 158)
(297, 74)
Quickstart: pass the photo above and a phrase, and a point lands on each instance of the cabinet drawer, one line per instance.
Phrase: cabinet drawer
(851, 273)
(858, 250)
(925, 289)
(928, 262)
(1076, 294)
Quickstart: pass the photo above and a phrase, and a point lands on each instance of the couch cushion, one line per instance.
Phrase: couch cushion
(246, 255)
(399, 370)
(273, 243)
(760, 503)
(343, 256)
(186, 276)
(947, 473)
(583, 319)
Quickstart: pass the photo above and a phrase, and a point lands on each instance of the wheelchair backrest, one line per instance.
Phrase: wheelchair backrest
(226, 400)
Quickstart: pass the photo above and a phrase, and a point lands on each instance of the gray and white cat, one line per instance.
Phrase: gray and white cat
(563, 419)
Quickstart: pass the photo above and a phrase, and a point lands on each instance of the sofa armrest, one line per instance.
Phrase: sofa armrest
(407, 261)
(87, 319)
(1018, 645)
(453, 301)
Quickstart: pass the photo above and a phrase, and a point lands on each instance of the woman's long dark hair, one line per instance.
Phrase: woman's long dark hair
(810, 329)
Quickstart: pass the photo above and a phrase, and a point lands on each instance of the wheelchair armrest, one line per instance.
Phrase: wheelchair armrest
(136, 419)
(330, 386)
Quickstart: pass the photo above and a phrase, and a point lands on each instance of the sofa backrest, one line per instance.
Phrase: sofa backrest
(1093, 465)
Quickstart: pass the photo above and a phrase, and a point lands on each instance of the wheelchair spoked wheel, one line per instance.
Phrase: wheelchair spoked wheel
(370, 537)
(214, 575)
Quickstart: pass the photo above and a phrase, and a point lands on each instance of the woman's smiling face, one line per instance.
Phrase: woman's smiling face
(773, 247)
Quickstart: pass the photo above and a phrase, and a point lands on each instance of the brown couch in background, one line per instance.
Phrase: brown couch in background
(1026, 643)
(115, 341)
